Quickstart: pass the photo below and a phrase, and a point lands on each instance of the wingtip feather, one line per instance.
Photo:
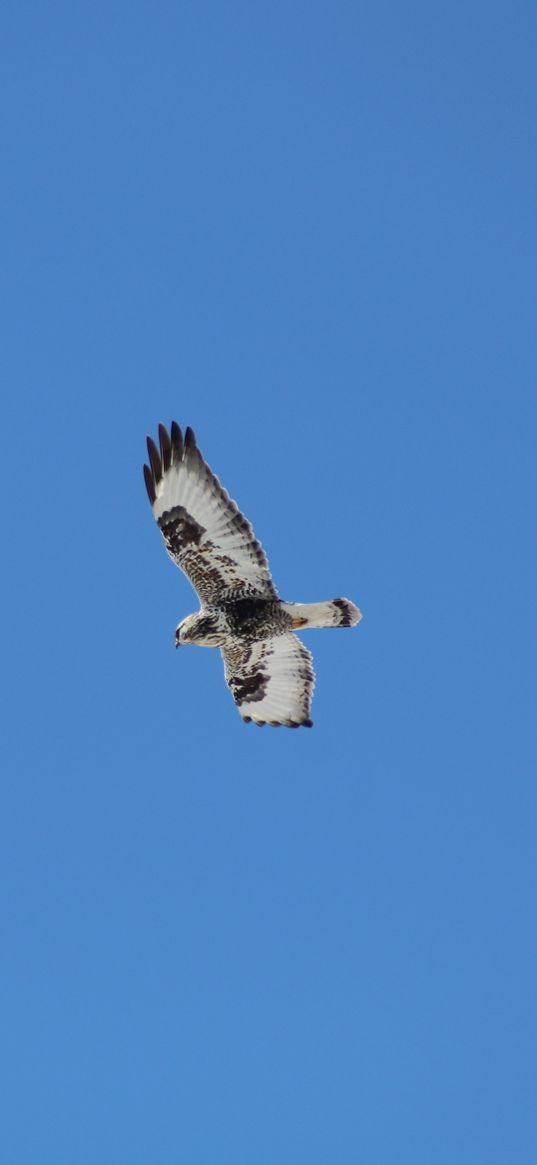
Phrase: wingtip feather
(154, 459)
(190, 438)
(177, 443)
(165, 447)
(149, 485)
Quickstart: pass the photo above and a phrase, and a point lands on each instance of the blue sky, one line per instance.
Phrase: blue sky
(308, 231)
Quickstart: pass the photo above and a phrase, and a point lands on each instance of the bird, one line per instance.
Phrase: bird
(267, 668)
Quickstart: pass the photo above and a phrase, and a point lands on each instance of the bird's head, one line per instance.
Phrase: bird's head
(202, 629)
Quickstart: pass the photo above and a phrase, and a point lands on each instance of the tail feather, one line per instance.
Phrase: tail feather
(332, 613)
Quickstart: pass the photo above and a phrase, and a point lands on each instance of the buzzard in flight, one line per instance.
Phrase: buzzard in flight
(268, 670)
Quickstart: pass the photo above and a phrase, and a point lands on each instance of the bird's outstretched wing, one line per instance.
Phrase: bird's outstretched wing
(204, 531)
(271, 680)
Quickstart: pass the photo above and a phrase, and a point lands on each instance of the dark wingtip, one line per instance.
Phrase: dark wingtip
(165, 447)
(190, 438)
(279, 723)
(154, 459)
(177, 442)
(149, 485)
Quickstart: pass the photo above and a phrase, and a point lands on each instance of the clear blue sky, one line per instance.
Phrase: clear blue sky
(308, 231)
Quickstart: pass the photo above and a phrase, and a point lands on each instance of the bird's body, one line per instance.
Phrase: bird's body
(245, 619)
(268, 670)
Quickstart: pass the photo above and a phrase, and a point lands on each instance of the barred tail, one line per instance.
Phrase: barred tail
(333, 613)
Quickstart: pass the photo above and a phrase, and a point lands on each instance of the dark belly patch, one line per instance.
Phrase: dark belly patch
(252, 618)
